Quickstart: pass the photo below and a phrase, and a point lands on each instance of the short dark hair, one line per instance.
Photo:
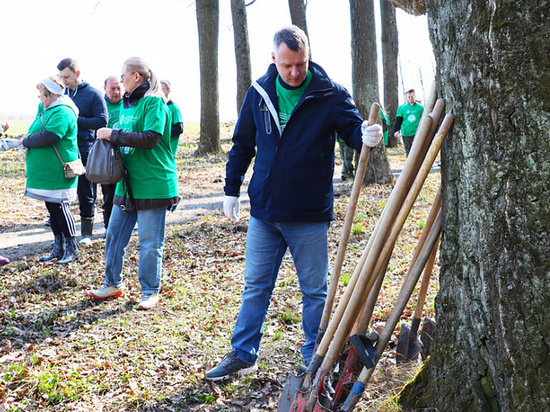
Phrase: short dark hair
(293, 36)
(68, 62)
(409, 91)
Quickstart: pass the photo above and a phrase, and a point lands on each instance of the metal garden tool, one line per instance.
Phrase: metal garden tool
(407, 341)
(393, 319)
(294, 381)
(381, 246)
(417, 155)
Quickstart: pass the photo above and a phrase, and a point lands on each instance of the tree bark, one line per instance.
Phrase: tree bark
(242, 50)
(414, 7)
(390, 49)
(208, 16)
(492, 344)
(365, 81)
(298, 14)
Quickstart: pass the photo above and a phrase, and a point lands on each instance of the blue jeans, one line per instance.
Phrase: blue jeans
(266, 245)
(151, 225)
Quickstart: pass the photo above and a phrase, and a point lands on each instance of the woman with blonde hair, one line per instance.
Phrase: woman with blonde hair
(148, 190)
(52, 141)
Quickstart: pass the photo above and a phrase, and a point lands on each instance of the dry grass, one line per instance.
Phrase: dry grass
(59, 351)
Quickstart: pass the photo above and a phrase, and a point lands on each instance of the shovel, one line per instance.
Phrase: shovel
(381, 247)
(417, 155)
(393, 319)
(293, 382)
(407, 339)
(408, 346)
(379, 251)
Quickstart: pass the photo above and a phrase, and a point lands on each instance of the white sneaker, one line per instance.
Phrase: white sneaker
(148, 301)
(85, 242)
(105, 292)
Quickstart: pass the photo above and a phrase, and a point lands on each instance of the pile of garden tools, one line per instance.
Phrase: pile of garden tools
(345, 356)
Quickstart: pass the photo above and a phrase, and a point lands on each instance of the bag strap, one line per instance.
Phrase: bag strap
(61, 160)
(53, 145)
(129, 188)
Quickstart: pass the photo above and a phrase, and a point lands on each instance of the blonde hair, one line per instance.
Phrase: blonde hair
(138, 65)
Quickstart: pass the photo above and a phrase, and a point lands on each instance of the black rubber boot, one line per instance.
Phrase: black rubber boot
(57, 252)
(71, 251)
(86, 230)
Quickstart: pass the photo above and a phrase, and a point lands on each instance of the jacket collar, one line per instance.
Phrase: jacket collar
(319, 81)
(130, 99)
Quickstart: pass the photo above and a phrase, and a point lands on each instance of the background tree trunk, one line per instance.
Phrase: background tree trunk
(390, 49)
(242, 50)
(491, 349)
(298, 14)
(208, 16)
(365, 81)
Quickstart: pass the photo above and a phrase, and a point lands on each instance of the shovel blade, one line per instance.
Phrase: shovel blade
(292, 384)
(403, 344)
(428, 330)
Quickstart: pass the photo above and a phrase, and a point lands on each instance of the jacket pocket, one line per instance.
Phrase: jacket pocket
(311, 195)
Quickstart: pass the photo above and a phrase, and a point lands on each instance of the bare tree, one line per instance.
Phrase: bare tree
(298, 14)
(491, 349)
(390, 49)
(242, 50)
(365, 81)
(208, 16)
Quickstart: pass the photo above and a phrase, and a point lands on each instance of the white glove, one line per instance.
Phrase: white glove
(8, 144)
(371, 134)
(231, 207)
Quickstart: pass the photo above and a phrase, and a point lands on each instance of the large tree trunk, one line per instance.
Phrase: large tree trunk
(492, 344)
(365, 81)
(390, 49)
(208, 16)
(242, 50)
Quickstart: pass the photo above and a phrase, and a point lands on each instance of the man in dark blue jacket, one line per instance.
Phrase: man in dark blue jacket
(92, 116)
(289, 120)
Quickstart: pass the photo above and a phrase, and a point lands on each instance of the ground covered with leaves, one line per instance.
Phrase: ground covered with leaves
(61, 351)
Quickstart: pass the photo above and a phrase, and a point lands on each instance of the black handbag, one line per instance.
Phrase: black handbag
(105, 164)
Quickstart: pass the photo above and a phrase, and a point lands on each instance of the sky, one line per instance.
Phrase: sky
(101, 34)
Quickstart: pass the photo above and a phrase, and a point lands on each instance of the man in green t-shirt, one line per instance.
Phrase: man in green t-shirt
(113, 100)
(407, 120)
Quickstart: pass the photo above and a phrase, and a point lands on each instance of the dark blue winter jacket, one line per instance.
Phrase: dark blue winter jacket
(292, 179)
(92, 110)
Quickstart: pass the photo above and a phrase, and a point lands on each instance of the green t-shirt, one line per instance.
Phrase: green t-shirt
(44, 169)
(411, 114)
(152, 172)
(289, 98)
(176, 118)
(114, 113)
(385, 117)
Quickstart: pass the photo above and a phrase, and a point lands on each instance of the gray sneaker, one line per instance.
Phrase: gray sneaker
(230, 366)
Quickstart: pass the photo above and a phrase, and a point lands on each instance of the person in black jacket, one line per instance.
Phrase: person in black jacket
(289, 121)
(92, 116)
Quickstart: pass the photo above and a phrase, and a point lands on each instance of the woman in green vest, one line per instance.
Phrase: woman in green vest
(52, 141)
(150, 188)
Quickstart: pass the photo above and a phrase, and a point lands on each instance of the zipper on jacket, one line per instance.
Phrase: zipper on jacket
(267, 117)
